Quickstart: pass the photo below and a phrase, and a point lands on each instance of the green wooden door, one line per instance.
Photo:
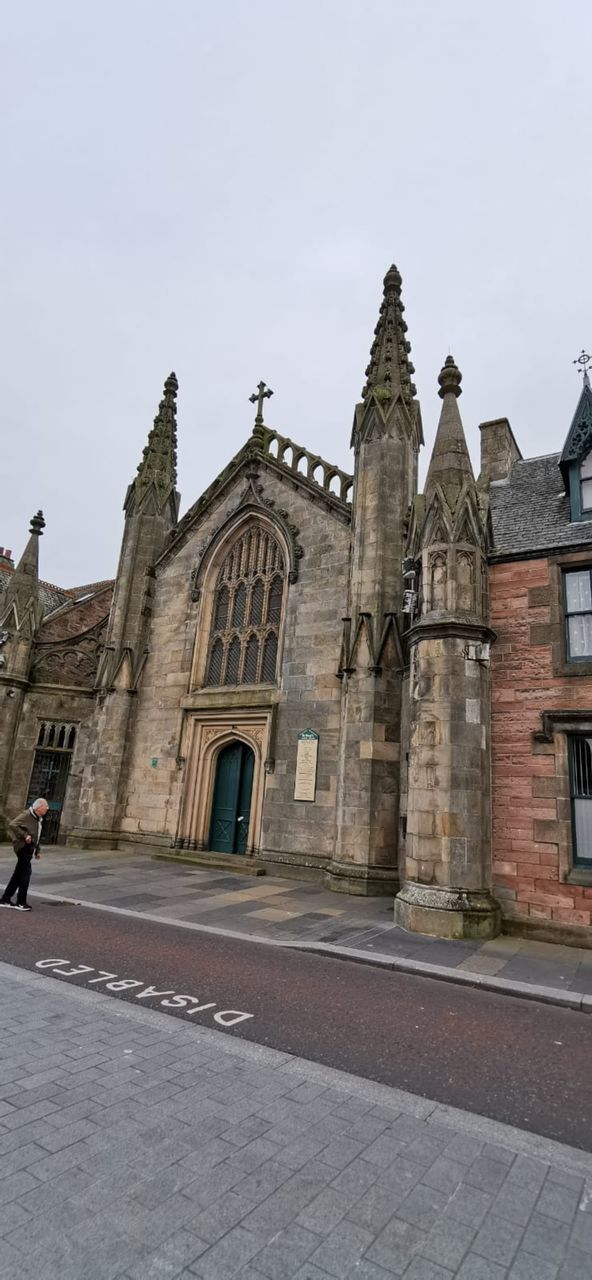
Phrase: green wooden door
(231, 808)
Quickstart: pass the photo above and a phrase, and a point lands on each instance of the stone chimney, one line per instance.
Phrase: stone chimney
(498, 450)
(6, 560)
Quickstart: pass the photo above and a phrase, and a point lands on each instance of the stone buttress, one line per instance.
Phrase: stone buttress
(151, 511)
(386, 437)
(447, 867)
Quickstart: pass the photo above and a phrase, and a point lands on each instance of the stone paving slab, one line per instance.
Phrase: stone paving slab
(317, 1174)
(280, 910)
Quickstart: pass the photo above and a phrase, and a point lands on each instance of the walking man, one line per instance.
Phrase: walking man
(25, 830)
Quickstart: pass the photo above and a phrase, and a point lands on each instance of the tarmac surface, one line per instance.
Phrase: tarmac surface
(297, 912)
(135, 1146)
(520, 1062)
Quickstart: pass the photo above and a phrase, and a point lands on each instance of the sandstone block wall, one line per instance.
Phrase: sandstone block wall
(307, 695)
(532, 846)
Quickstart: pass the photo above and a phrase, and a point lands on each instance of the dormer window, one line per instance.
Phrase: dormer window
(586, 484)
(576, 460)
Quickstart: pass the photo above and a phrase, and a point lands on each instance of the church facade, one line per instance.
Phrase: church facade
(331, 675)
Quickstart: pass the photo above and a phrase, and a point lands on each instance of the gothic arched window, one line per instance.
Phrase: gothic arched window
(247, 612)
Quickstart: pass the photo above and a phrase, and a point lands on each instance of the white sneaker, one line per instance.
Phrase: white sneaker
(25, 908)
(7, 904)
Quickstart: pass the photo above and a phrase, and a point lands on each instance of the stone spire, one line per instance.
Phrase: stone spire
(158, 468)
(389, 373)
(20, 604)
(450, 464)
(386, 437)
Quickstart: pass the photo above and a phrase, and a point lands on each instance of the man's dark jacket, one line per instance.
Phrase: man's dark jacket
(24, 824)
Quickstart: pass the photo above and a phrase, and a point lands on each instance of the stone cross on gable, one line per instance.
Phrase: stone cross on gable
(262, 393)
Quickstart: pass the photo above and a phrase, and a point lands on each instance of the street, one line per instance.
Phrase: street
(519, 1062)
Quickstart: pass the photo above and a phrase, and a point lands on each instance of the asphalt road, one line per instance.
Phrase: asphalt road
(520, 1062)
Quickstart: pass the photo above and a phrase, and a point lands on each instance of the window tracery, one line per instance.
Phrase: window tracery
(247, 612)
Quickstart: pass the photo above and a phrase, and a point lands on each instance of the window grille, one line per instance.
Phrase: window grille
(580, 772)
(578, 613)
(247, 612)
(269, 657)
(274, 605)
(251, 661)
(257, 600)
(233, 662)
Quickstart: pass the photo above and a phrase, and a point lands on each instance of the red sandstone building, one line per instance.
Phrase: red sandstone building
(541, 609)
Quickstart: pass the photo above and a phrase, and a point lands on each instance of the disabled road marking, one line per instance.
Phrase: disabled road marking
(112, 981)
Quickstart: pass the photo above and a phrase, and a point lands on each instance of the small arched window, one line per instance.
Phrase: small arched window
(247, 612)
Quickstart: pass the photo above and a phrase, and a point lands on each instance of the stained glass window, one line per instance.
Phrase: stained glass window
(247, 612)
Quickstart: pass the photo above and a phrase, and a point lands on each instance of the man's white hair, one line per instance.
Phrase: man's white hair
(39, 800)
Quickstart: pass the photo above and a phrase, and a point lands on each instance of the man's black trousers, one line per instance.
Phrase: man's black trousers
(19, 880)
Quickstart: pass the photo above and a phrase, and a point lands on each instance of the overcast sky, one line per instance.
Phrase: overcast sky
(218, 189)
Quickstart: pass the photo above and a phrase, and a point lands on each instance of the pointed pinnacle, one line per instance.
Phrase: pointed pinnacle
(389, 372)
(159, 458)
(450, 463)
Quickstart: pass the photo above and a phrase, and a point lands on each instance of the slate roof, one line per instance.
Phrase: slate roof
(52, 597)
(530, 510)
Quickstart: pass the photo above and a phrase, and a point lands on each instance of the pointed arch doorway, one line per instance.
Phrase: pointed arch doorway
(231, 803)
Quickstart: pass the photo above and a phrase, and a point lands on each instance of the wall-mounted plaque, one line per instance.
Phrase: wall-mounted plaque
(306, 765)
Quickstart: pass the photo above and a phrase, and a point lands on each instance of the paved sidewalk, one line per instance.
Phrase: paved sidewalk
(134, 1146)
(299, 912)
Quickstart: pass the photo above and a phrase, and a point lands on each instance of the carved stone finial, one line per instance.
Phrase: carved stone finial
(450, 378)
(37, 524)
(392, 279)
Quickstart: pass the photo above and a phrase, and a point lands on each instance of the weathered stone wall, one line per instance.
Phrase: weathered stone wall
(39, 705)
(308, 696)
(310, 692)
(531, 804)
(52, 679)
(448, 835)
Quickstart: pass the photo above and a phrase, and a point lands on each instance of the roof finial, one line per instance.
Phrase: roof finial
(583, 361)
(450, 378)
(37, 524)
(262, 393)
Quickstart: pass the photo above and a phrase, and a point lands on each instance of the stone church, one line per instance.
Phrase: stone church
(330, 675)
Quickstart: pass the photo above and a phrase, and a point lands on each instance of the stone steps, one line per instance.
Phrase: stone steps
(233, 862)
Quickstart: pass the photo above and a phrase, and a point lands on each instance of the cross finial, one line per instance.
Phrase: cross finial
(583, 361)
(262, 393)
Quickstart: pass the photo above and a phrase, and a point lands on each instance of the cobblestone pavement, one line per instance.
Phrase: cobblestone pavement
(286, 910)
(134, 1146)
